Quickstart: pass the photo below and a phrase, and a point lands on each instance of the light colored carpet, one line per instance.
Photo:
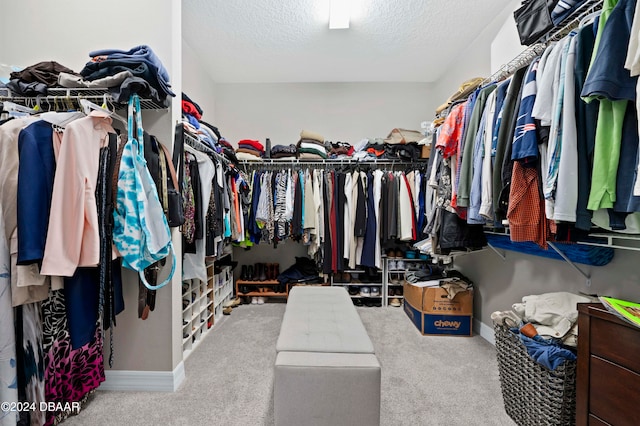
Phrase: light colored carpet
(425, 380)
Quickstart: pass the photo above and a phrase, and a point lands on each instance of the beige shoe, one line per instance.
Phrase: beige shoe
(395, 302)
(227, 310)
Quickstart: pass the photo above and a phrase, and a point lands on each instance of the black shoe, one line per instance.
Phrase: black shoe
(357, 302)
(243, 273)
(256, 272)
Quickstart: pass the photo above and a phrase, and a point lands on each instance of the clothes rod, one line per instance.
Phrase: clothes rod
(331, 161)
(196, 144)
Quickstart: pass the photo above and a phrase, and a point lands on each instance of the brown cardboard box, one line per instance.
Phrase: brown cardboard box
(433, 313)
(426, 151)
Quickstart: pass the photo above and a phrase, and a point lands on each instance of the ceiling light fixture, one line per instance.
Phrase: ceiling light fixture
(339, 14)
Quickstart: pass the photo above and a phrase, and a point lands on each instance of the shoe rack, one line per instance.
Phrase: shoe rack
(396, 268)
(202, 302)
(365, 289)
(259, 281)
(223, 290)
(197, 310)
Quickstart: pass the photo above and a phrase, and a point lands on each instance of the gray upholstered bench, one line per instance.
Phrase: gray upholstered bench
(326, 372)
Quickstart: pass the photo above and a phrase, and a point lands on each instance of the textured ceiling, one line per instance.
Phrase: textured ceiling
(276, 41)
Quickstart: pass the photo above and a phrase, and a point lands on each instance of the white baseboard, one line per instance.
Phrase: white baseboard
(484, 331)
(157, 381)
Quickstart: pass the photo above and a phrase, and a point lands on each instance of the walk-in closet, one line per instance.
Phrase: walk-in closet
(319, 212)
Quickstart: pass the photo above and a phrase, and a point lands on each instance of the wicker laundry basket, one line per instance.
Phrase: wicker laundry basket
(533, 395)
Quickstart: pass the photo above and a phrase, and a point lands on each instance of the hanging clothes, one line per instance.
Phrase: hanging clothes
(73, 237)
(27, 284)
(193, 264)
(8, 370)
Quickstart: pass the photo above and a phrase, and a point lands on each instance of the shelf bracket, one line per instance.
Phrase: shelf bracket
(496, 251)
(570, 262)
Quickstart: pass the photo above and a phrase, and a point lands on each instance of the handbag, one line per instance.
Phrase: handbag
(140, 232)
(163, 172)
(533, 19)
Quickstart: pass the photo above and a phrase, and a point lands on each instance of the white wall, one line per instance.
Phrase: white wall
(476, 60)
(66, 32)
(197, 84)
(338, 111)
(506, 44)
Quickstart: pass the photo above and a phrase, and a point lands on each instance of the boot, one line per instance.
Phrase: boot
(276, 271)
(243, 273)
(256, 272)
(267, 271)
(249, 272)
(263, 275)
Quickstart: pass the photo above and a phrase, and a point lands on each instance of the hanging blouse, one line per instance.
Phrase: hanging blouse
(72, 238)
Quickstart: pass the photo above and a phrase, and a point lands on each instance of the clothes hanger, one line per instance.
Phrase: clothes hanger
(95, 110)
(588, 19)
(13, 107)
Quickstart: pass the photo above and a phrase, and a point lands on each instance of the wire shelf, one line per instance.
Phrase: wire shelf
(60, 95)
(525, 57)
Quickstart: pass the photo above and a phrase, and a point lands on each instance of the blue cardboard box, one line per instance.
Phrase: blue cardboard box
(434, 313)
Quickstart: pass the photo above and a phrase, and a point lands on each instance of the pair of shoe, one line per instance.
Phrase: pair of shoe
(232, 303)
(272, 270)
(395, 254)
(396, 265)
(260, 272)
(250, 273)
(395, 302)
(396, 278)
(353, 290)
(257, 300)
(344, 277)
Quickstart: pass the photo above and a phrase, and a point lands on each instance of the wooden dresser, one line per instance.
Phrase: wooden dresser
(608, 380)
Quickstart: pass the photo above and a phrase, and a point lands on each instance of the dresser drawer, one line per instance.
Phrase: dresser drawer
(613, 393)
(594, 421)
(616, 343)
